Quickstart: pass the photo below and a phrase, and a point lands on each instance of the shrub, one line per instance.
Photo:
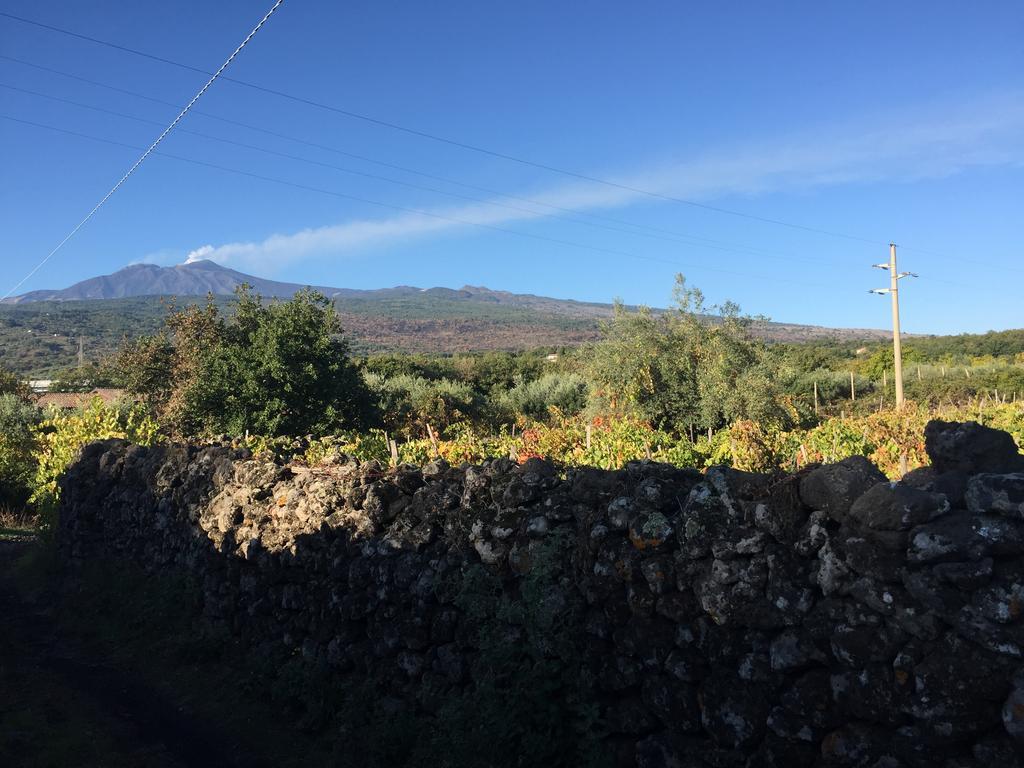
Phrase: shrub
(408, 404)
(277, 369)
(838, 439)
(683, 369)
(17, 446)
(534, 399)
(62, 435)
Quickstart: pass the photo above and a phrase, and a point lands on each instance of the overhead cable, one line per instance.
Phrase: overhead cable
(149, 150)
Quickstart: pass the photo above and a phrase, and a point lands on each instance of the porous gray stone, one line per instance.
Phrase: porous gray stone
(971, 448)
(834, 488)
(999, 494)
(825, 618)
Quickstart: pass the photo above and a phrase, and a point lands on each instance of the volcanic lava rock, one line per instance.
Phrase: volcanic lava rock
(678, 620)
(834, 488)
(971, 448)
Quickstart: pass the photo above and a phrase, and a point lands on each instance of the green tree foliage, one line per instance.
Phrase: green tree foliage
(408, 404)
(1005, 345)
(389, 365)
(683, 368)
(12, 385)
(60, 437)
(17, 443)
(882, 359)
(499, 371)
(566, 392)
(274, 369)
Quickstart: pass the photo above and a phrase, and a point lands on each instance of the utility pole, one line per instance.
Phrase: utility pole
(894, 292)
(897, 345)
(897, 352)
(81, 351)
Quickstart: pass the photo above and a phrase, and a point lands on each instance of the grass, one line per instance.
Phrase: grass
(17, 524)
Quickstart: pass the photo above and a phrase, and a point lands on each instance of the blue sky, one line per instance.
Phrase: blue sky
(882, 121)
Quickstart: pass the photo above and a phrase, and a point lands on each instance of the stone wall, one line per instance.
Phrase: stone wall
(726, 619)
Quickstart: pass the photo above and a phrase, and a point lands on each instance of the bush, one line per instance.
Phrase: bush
(683, 369)
(408, 404)
(277, 369)
(838, 439)
(62, 435)
(12, 385)
(17, 447)
(566, 392)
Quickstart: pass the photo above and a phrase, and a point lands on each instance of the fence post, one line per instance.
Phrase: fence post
(588, 436)
(853, 389)
(815, 398)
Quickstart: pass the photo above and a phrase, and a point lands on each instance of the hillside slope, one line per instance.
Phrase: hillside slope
(39, 331)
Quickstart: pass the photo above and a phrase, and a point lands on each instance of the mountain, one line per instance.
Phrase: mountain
(39, 331)
(196, 278)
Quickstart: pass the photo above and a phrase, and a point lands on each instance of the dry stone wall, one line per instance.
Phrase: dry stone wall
(725, 619)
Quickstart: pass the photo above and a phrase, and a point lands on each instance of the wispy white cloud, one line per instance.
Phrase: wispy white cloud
(922, 144)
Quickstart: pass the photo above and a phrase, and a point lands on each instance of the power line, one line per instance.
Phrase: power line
(448, 141)
(684, 239)
(736, 247)
(150, 149)
(416, 211)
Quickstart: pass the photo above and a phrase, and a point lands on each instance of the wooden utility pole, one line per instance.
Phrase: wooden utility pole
(894, 292)
(897, 350)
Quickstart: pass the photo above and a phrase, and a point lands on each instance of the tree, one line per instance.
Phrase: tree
(12, 385)
(18, 417)
(883, 359)
(685, 368)
(276, 369)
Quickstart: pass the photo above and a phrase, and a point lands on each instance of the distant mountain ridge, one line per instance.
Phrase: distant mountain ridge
(198, 278)
(403, 317)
